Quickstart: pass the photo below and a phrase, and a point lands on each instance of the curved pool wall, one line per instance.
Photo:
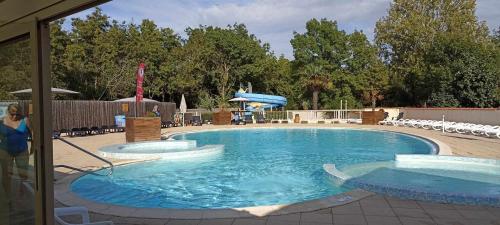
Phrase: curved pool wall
(443, 179)
(166, 150)
(258, 167)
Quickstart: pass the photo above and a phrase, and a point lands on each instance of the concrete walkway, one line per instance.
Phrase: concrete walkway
(375, 210)
(372, 210)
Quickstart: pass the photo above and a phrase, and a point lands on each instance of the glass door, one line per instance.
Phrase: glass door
(25, 197)
(17, 195)
(26, 162)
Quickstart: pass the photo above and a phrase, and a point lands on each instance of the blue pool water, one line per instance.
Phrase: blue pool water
(444, 179)
(258, 167)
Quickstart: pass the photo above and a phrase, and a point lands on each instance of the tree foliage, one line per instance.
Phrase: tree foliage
(15, 68)
(438, 48)
(99, 57)
(217, 59)
(344, 66)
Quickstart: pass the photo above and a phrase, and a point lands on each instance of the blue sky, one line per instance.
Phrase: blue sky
(272, 21)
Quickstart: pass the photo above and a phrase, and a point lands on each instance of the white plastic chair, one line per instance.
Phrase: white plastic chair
(79, 211)
(388, 122)
(420, 123)
(409, 122)
(492, 131)
(439, 126)
(400, 122)
(68, 211)
(474, 129)
(463, 128)
(428, 124)
(455, 127)
(384, 122)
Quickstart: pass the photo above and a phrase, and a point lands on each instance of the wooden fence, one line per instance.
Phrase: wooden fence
(71, 114)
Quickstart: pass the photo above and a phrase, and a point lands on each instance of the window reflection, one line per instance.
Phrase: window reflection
(16, 155)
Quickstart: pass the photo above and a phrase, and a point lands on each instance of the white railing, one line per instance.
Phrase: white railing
(313, 116)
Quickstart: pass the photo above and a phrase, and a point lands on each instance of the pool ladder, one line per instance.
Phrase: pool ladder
(110, 168)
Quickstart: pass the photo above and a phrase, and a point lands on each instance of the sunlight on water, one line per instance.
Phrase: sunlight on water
(258, 167)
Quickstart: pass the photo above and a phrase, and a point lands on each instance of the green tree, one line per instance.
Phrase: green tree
(351, 67)
(320, 55)
(375, 82)
(153, 46)
(496, 39)
(462, 71)
(321, 41)
(59, 40)
(315, 78)
(369, 76)
(277, 79)
(114, 66)
(221, 58)
(15, 68)
(83, 70)
(406, 35)
(206, 101)
(99, 58)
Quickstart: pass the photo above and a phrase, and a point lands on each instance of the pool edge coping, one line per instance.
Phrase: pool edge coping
(63, 193)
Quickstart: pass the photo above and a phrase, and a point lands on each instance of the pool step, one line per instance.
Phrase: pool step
(165, 150)
(443, 179)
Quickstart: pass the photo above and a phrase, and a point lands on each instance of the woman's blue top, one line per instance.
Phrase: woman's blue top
(13, 140)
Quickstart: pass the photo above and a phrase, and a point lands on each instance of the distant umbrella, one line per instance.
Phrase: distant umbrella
(183, 106)
(53, 90)
(239, 99)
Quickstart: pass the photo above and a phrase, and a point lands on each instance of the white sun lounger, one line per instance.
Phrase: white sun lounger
(450, 127)
(491, 131)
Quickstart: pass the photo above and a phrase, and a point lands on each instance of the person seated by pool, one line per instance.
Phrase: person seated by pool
(177, 120)
(156, 111)
(236, 118)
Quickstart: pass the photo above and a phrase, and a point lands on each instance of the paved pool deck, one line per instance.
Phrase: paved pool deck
(368, 209)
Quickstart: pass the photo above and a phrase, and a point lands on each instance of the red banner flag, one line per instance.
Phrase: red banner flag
(140, 79)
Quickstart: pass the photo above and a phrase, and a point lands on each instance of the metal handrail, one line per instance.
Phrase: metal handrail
(111, 166)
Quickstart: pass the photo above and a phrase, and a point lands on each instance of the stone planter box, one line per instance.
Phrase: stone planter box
(142, 129)
(372, 117)
(222, 118)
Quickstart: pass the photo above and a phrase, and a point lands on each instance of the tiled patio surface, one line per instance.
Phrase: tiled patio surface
(372, 210)
(375, 210)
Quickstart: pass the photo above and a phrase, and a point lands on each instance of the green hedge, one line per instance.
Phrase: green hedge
(207, 116)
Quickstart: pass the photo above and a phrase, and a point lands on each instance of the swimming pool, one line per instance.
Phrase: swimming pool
(258, 167)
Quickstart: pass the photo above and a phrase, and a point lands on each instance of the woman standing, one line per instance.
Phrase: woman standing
(14, 134)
